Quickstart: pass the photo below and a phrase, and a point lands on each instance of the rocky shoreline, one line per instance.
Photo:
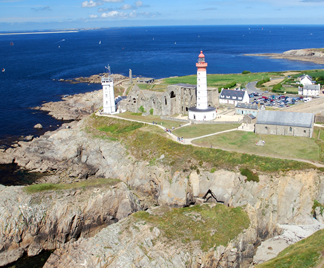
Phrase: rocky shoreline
(309, 55)
(92, 226)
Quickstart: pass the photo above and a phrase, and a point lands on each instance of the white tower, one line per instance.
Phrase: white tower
(201, 65)
(202, 112)
(107, 83)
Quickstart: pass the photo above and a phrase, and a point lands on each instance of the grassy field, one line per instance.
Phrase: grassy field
(308, 252)
(150, 119)
(54, 187)
(218, 80)
(147, 145)
(279, 146)
(209, 226)
(192, 131)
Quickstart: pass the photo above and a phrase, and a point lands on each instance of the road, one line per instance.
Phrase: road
(250, 87)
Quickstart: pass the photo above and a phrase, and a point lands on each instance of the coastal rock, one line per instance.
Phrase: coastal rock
(47, 220)
(38, 126)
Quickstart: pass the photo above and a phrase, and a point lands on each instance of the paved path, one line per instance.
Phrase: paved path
(250, 87)
(189, 141)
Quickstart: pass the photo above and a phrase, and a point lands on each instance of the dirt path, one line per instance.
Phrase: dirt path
(314, 106)
(189, 141)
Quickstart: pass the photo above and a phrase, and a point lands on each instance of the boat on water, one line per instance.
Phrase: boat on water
(3, 70)
(11, 43)
(100, 42)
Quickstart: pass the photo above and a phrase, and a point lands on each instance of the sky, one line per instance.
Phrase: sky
(21, 15)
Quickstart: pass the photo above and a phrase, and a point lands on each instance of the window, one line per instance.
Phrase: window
(290, 129)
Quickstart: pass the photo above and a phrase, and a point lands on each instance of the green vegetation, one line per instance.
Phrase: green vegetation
(250, 176)
(151, 111)
(192, 131)
(141, 109)
(261, 82)
(209, 226)
(149, 142)
(35, 188)
(278, 146)
(305, 253)
(221, 80)
(246, 72)
(317, 204)
(145, 86)
(230, 85)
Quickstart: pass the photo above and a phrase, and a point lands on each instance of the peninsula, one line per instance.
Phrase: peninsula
(315, 55)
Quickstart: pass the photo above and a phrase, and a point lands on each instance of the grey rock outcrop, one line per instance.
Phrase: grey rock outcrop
(47, 220)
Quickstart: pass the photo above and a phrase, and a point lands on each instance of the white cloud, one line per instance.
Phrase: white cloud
(114, 14)
(104, 9)
(90, 4)
(139, 3)
(126, 6)
(93, 16)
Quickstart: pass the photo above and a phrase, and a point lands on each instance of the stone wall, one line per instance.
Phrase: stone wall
(283, 130)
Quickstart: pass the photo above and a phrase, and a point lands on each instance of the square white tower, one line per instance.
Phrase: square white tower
(109, 106)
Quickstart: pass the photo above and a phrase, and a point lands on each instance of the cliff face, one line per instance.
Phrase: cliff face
(47, 220)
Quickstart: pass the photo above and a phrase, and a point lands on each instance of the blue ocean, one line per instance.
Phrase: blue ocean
(34, 62)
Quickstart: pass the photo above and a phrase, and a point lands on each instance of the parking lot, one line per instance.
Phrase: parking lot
(276, 101)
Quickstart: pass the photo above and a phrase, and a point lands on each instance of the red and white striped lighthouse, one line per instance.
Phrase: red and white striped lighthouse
(202, 102)
(202, 112)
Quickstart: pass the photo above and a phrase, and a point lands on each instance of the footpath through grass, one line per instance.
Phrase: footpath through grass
(149, 146)
(193, 131)
(279, 146)
(209, 226)
(308, 252)
(82, 184)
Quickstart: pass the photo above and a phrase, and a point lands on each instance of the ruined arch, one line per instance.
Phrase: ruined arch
(172, 95)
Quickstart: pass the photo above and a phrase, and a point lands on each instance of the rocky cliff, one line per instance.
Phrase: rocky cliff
(47, 220)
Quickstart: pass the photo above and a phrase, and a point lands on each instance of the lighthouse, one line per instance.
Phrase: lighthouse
(107, 83)
(202, 112)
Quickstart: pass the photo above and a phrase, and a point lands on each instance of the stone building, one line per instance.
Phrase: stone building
(309, 90)
(247, 108)
(175, 100)
(285, 123)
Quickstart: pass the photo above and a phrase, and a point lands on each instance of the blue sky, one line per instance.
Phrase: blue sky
(63, 14)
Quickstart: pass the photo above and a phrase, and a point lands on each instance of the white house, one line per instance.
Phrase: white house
(305, 80)
(309, 90)
(234, 97)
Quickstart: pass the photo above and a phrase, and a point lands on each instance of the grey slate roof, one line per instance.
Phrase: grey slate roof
(285, 118)
(247, 106)
(232, 93)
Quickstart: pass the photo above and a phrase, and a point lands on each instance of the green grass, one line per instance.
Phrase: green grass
(306, 253)
(150, 119)
(279, 146)
(209, 226)
(193, 131)
(149, 142)
(218, 80)
(145, 86)
(54, 187)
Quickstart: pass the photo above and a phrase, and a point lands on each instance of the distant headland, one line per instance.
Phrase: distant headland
(315, 55)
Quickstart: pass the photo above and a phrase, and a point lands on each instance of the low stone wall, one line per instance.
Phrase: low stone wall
(174, 119)
(216, 122)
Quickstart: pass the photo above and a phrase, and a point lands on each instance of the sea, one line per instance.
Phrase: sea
(35, 62)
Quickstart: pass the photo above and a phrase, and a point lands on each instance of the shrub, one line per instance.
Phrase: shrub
(261, 82)
(213, 170)
(151, 111)
(250, 176)
(230, 85)
(141, 109)
(246, 72)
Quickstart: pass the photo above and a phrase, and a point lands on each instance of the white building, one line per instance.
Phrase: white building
(202, 112)
(109, 106)
(305, 80)
(234, 97)
(309, 90)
